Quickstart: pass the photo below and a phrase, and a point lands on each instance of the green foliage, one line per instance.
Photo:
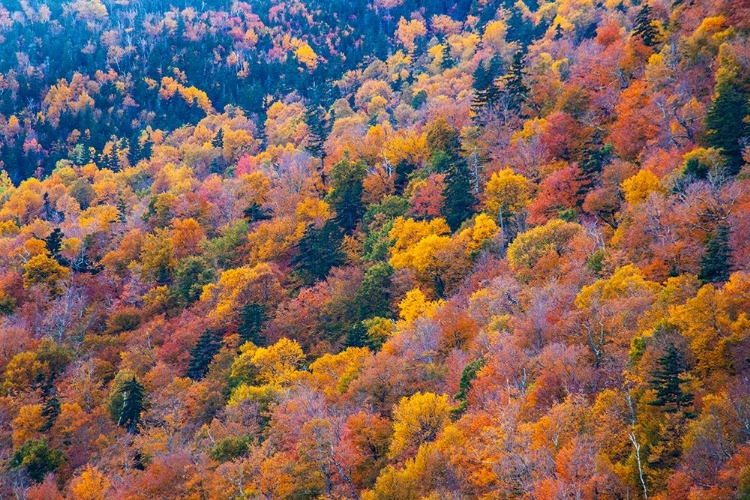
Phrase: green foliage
(191, 275)
(667, 382)
(201, 355)
(229, 449)
(727, 122)
(318, 251)
(716, 263)
(37, 459)
(345, 196)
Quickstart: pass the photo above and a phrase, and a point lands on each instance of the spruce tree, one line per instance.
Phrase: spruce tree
(728, 122)
(345, 196)
(50, 412)
(252, 319)
(515, 86)
(716, 262)
(644, 28)
(132, 405)
(209, 343)
(459, 194)
(318, 251)
(667, 383)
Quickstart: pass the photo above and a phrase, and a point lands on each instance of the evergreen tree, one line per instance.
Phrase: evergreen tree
(50, 412)
(727, 122)
(468, 375)
(459, 194)
(716, 262)
(37, 459)
(252, 319)
(132, 405)
(345, 196)
(644, 27)
(257, 212)
(515, 86)
(54, 243)
(318, 251)
(209, 343)
(373, 298)
(134, 150)
(667, 383)
(218, 140)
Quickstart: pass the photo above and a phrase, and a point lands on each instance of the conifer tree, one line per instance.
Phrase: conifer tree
(515, 86)
(458, 193)
(727, 122)
(667, 383)
(209, 343)
(345, 196)
(252, 319)
(644, 28)
(716, 262)
(132, 405)
(318, 251)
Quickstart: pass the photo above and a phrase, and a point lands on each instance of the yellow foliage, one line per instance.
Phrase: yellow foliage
(243, 285)
(528, 248)
(415, 305)
(307, 56)
(506, 193)
(90, 485)
(639, 187)
(418, 419)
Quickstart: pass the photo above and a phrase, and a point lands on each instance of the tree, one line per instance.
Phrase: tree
(644, 26)
(92, 484)
(418, 419)
(345, 196)
(726, 122)
(37, 459)
(515, 85)
(201, 355)
(131, 397)
(716, 264)
(252, 318)
(667, 382)
(318, 251)
(458, 194)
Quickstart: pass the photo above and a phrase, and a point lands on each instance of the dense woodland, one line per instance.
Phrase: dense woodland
(378, 249)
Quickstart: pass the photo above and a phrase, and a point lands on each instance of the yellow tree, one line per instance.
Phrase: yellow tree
(418, 419)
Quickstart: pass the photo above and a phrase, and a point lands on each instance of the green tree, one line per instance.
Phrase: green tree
(727, 122)
(345, 196)
(716, 262)
(459, 194)
(201, 355)
(131, 396)
(37, 459)
(318, 251)
(252, 318)
(644, 27)
(667, 382)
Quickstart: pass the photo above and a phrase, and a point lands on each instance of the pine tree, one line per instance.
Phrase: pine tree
(54, 243)
(345, 196)
(468, 375)
(218, 140)
(50, 412)
(209, 343)
(716, 262)
(132, 405)
(252, 319)
(644, 27)
(727, 122)
(318, 251)
(667, 383)
(459, 194)
(515, 86)
(134, 150)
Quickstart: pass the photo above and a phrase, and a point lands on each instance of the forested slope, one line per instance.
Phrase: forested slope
(387, 249)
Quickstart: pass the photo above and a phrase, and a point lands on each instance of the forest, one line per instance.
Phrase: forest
(375, 249)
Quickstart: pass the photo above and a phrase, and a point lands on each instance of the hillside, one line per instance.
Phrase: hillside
(378, 249)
